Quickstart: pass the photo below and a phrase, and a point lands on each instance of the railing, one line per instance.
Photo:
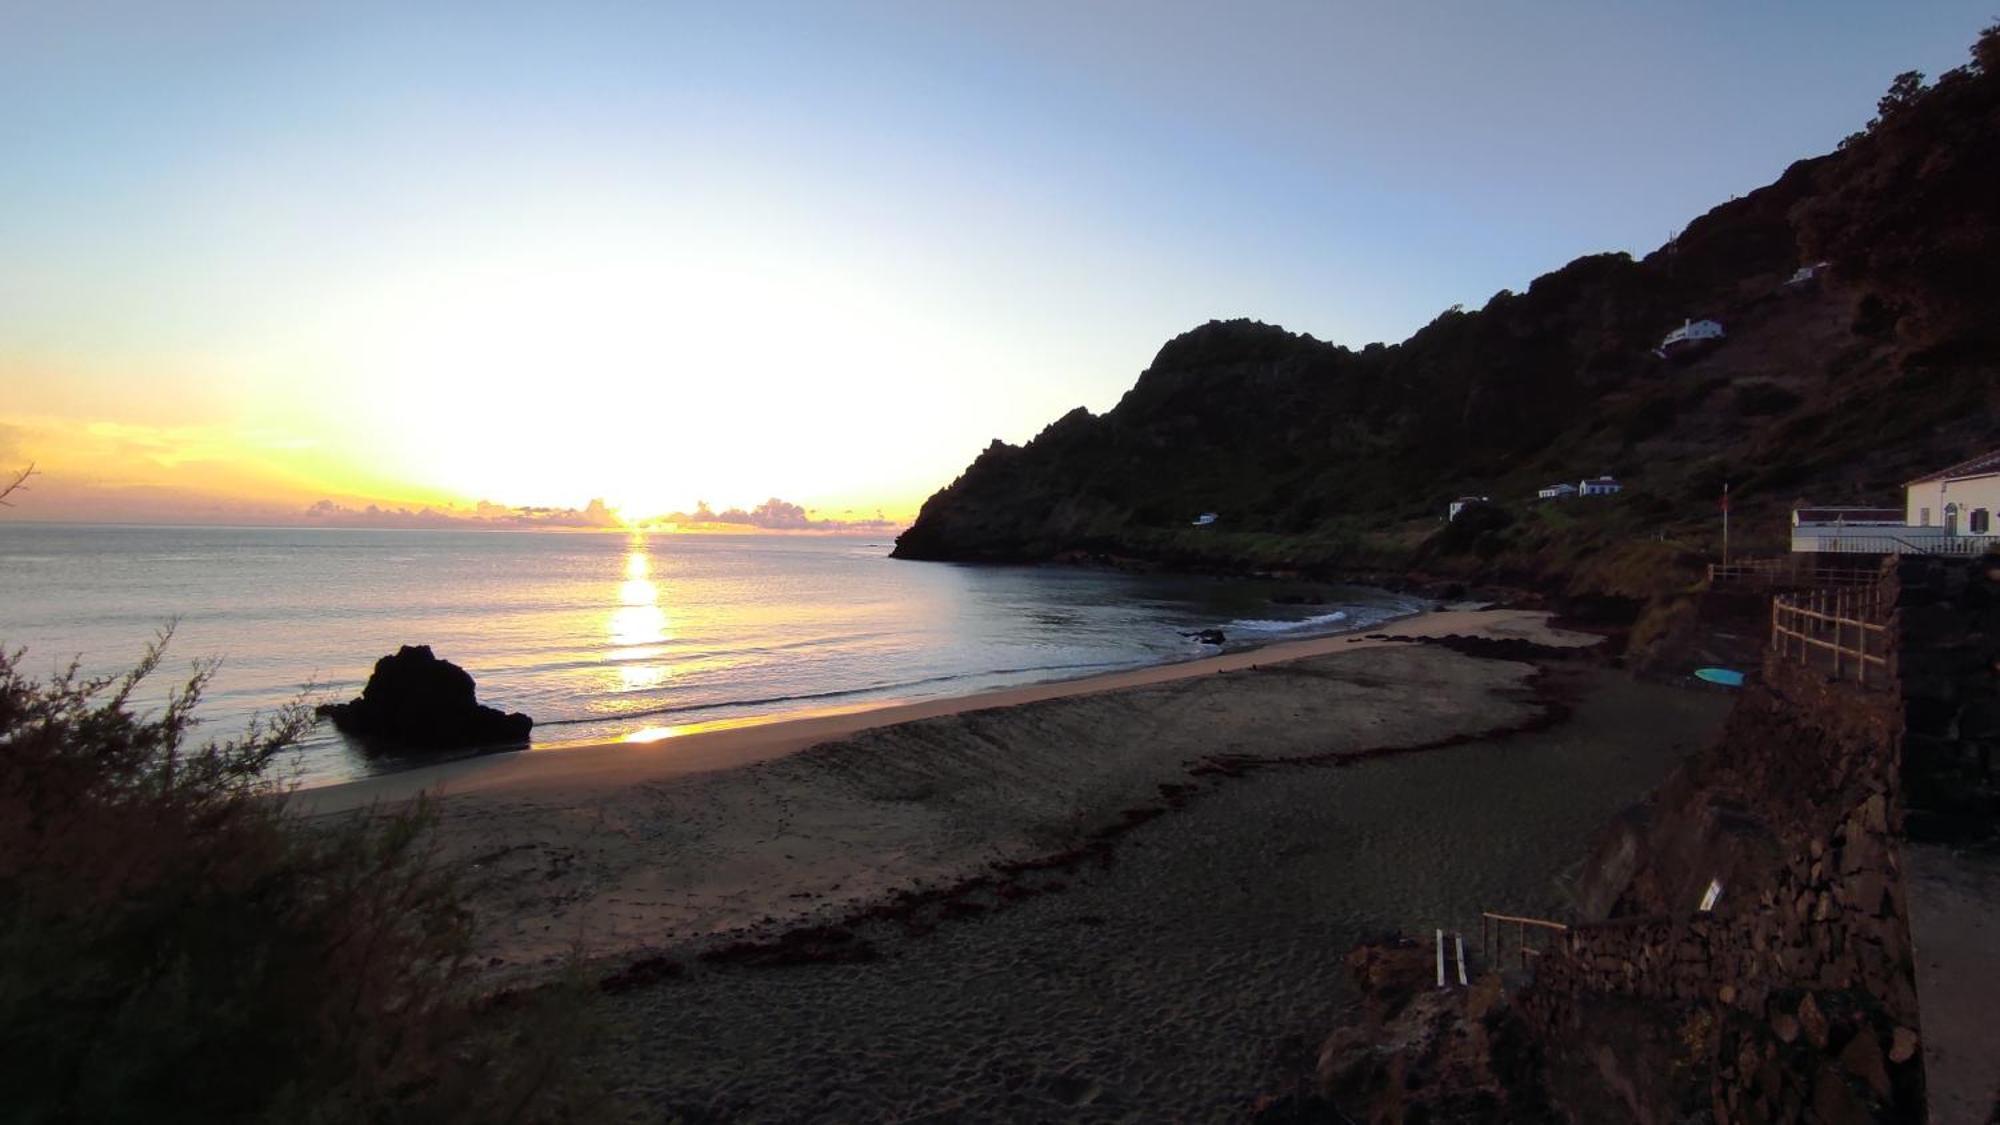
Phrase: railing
(1788, 570)
(1910, 541)
(1846, 625)
(1492, 926)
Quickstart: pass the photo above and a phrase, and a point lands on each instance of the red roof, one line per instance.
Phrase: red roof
(1984, 465)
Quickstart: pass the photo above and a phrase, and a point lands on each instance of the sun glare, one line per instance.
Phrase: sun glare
(638, 627)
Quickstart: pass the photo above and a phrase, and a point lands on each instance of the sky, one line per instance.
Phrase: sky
(259, 256)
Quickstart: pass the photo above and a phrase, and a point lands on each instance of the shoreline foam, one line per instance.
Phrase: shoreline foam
(730, 743)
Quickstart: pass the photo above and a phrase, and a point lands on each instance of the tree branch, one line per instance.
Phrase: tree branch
(19, 483)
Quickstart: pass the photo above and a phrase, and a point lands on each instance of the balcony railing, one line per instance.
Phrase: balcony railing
(1890, 541)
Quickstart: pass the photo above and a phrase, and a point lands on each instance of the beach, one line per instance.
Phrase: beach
(1122, 898)
(603, 850)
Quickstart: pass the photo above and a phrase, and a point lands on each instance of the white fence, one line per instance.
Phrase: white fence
(1883, 541)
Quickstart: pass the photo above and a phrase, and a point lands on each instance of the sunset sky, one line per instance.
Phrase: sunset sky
(256, 256)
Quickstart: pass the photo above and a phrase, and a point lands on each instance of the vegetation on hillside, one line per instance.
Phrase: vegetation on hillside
(1326, 459)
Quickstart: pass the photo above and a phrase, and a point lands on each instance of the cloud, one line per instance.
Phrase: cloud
(486, 515)
(777, 515)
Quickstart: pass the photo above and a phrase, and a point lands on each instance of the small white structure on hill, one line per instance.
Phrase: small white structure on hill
(1804, 274)
(1949, 512)
(1204, 519)
(1598, 486)
(1462, 503)
(1688, 335)
(1561, 490)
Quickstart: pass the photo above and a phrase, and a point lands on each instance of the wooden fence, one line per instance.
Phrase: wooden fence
(1492, 928)
(1845, 628)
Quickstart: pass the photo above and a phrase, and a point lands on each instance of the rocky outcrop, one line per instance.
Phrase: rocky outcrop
(414, 700)
(1422, 1053)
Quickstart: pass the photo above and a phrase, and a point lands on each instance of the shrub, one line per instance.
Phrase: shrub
(177, 944)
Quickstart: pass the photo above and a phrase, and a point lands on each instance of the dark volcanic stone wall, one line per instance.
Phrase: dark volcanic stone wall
(1948, 615)
(1795, 999)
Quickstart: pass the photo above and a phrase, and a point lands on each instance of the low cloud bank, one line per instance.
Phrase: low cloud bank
(778, 515)
(593, 515)
(772, 515)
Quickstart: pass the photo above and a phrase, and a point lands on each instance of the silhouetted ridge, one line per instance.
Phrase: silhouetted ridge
(1320, 458)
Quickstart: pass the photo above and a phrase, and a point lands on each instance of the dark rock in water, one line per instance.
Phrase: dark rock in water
(1206, 636)
(417, 700)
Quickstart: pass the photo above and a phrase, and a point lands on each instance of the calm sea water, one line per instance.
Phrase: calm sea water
(602, 636)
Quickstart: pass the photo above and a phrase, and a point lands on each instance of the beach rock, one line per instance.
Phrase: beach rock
(1206, 636)
(416, 700)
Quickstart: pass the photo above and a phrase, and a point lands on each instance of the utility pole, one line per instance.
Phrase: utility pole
(1725, 523)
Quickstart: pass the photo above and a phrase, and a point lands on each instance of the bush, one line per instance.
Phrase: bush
(177, 944)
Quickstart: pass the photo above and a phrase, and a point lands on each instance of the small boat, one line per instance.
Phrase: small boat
(1727, 677)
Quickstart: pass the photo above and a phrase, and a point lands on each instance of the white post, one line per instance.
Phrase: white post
(1440, 951)
(1461, 958)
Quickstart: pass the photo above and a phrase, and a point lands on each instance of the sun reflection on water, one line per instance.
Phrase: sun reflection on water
(638, 626)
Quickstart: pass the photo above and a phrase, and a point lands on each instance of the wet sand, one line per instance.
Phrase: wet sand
(707, 747)
(621, 849)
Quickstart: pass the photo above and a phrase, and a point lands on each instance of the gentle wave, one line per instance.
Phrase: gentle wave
(1303, 624)
(841, 693)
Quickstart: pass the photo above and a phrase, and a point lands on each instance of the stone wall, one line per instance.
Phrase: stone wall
(1795, 998)
(1947, 614)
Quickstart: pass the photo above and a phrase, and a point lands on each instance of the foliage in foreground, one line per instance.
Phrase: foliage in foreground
(176, 943)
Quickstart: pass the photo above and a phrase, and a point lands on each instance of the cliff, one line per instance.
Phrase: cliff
(1321, 458)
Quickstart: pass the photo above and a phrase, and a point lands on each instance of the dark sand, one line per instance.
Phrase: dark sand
(1202, 964)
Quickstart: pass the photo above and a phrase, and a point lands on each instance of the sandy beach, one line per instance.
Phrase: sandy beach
(721, 746)
(1122, 898)
(608, 849)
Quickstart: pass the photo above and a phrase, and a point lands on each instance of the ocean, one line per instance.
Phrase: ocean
(603, 636)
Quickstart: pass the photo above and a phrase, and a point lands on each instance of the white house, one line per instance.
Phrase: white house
(1204, 519)
(1561, 490)
(1804, 274)
(1462, 503)
(1688, 335)
(1949, 512)
(1959, 500)
(1598, 486)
